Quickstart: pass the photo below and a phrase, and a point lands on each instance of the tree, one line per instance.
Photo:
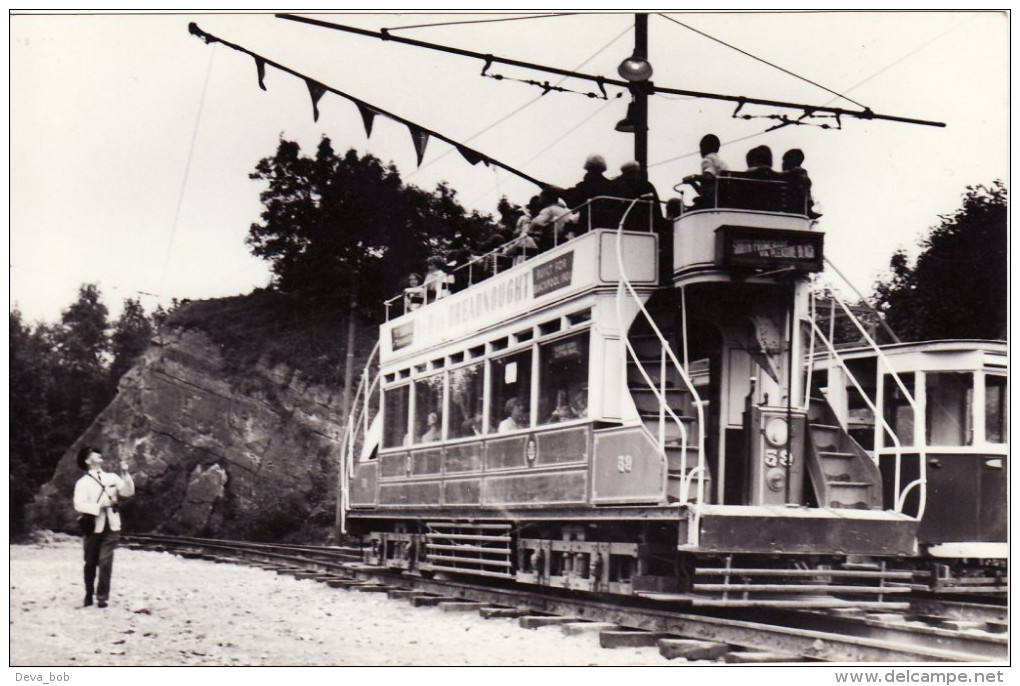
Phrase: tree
(30, 383)
(130, 337)
(330, 222)
(957, 287)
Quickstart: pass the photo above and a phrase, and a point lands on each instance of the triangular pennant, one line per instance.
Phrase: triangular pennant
(420, 137)
(260, 66)
(367, 116)
(472, 156)
(316, 90)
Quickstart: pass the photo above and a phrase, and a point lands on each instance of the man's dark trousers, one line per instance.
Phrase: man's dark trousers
(99, 555)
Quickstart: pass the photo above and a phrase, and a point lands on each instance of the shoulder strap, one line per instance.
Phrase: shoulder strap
(101, 485)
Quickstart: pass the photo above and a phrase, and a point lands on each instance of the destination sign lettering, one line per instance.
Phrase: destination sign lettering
(553, 274)
(771, 248)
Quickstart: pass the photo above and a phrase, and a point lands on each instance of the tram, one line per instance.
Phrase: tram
(587, 420)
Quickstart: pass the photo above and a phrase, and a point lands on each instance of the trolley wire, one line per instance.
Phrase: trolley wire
(187, 173)
(763, 61)
(527, 104)
(481, 21)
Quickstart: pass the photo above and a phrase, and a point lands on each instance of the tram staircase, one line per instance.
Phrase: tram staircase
(648, 349)
(842, 474)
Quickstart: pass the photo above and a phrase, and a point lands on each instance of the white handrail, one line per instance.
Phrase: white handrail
(921, 481)
(354, 418)
(699, 471)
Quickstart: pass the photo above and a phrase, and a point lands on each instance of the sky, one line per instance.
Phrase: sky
(132, 141)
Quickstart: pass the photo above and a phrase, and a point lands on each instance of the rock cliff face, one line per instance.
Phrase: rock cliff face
(213, 453)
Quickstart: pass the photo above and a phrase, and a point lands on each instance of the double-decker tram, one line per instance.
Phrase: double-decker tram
(584, 419)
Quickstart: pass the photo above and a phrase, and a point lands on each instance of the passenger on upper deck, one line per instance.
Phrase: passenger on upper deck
(437, 281)
(712, 166)
(525, 242)
(759, 163)
(414, 294)
(798, 178)
(594, 184)
(553, 219)
(711, 163)
(629, 185)
(517, 416)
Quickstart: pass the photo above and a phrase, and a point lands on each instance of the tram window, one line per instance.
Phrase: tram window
(579, 318)
(563, 380)
(511, 379)
(550, 327)
(897, 410)
(456, 358)
(860, 418)
(467, 391)
(428, 409)
(525, 336)
(397, 403)
(476, 352)
(949, 408)
(995, 409)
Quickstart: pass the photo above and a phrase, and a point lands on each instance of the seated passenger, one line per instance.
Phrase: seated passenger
(564, 411)
(759, 162)
(517, 416)
(801, 183)
(414, 294)
(753, 194)
(552, 220)
(712, 166)
(472, 426)
(437, 281)
(631, 184)
(434, 430)
(579, 403)
(600, 213)
(525, 241)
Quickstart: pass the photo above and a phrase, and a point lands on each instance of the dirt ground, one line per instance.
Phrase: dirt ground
(169, 611)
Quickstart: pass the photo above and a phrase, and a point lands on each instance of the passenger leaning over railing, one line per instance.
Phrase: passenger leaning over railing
(599, 213)
(553, 220)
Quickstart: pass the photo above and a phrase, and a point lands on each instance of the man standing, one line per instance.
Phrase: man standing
(97, 495)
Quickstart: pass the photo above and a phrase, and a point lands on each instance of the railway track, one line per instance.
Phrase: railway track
(930, 631)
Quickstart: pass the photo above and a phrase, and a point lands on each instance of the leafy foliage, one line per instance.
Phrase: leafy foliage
(334, 223)
(61, 377)
(957, 287)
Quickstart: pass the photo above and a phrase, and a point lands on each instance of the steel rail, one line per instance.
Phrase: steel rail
(637, 613)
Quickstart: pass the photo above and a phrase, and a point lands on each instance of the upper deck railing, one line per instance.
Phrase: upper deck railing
(762, 191)
(601, 212)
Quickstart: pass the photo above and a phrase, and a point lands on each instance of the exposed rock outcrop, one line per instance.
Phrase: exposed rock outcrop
(213, 452)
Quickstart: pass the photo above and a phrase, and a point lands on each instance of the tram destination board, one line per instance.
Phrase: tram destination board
(755, 248)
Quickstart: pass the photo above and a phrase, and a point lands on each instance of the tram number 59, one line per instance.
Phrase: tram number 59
(624, 464)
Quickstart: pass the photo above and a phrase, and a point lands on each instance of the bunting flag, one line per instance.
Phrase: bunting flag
(316, 90)
(472, 156)
(420, 137)
(260, 66)
(367, 116)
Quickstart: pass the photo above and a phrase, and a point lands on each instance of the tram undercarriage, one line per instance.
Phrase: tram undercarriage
(643, 558)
